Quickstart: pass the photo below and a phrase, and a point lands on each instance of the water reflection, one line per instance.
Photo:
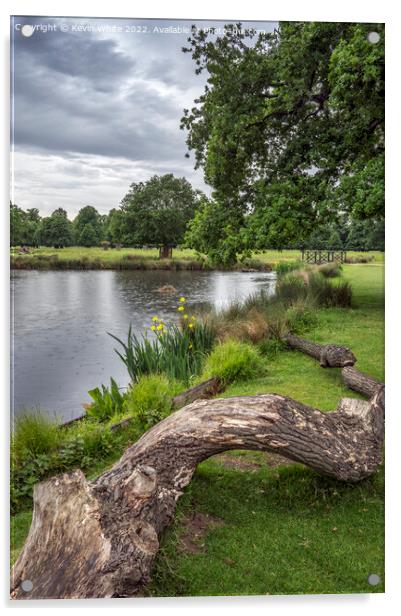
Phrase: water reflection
(61, 319)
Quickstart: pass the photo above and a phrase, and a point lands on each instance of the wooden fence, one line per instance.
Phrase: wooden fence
(324, 256)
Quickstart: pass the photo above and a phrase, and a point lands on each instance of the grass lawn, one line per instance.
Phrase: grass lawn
(262, 526)
(149, 258)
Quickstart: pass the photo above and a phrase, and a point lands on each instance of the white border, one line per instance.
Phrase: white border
(316, 10)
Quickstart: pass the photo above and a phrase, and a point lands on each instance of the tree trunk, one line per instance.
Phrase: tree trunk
(165, 252)
(100, 538)
(358, 381)
(329, 355)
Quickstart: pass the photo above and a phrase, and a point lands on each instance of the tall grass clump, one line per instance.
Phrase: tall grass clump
(329, 294)
(292, 288)
(313, 288)
(150, 399)
(285, 267)
(330, 270)
(176, 352)
(34, 434)
(234, 361)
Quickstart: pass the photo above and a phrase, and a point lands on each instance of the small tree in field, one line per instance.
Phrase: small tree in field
(157, 212)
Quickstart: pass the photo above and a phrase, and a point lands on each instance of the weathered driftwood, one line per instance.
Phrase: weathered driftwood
(359, 381)
(100, 538)
(329, 355)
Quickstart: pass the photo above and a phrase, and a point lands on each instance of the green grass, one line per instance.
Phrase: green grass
(278, 524)
(78, 257)
(285, 530)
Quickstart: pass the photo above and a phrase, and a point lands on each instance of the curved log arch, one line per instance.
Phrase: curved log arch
(100, 538)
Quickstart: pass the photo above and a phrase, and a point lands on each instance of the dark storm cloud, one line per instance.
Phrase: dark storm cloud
(71, 54)
(108, 104)
(76, 92)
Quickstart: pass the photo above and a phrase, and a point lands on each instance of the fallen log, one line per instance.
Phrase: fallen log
(360, 382)
(100, 538)
(204, 390)
(329, 355)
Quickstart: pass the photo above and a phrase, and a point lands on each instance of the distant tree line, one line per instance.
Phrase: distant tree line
(360, 235)
(154, 213)
(138, 223)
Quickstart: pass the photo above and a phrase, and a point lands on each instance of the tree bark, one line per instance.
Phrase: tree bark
(165, 252)
(100, 538)
(204, 390)
(329, 355)
(359, 381)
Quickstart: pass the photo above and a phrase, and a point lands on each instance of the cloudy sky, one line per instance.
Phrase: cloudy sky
(96, 106)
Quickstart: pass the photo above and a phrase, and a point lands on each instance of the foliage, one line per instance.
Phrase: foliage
(291, 288)
(212, 231)
(56, 230)
(88, 236)
(329, 294)
(156, 212)
(174, 351)
(313, 288)
(88, 227)
(284, 267)
(289, 130)
(234, 361)
(81, 445)
(106, 402)
(150, 399)
(34, 433)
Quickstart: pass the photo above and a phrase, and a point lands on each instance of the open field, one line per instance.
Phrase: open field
(77, 257)
(250, 523)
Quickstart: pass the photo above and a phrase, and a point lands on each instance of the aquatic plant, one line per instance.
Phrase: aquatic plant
(106, 402)
(177, 351)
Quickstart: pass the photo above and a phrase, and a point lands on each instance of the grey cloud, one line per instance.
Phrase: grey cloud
(99, 108)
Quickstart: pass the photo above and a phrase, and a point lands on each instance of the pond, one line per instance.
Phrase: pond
(60, 320)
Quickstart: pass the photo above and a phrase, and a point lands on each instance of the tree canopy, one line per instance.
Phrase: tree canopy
(289, 130)
(156, 212)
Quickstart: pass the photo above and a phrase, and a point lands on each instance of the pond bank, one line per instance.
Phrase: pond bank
(92, 259)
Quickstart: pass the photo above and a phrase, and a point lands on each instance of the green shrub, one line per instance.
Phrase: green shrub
(106, 402)
(150, 399)
(234, 361)
(34, 433)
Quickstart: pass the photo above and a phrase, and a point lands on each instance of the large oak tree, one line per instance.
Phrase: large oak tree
(289, 130)
(157, 212)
